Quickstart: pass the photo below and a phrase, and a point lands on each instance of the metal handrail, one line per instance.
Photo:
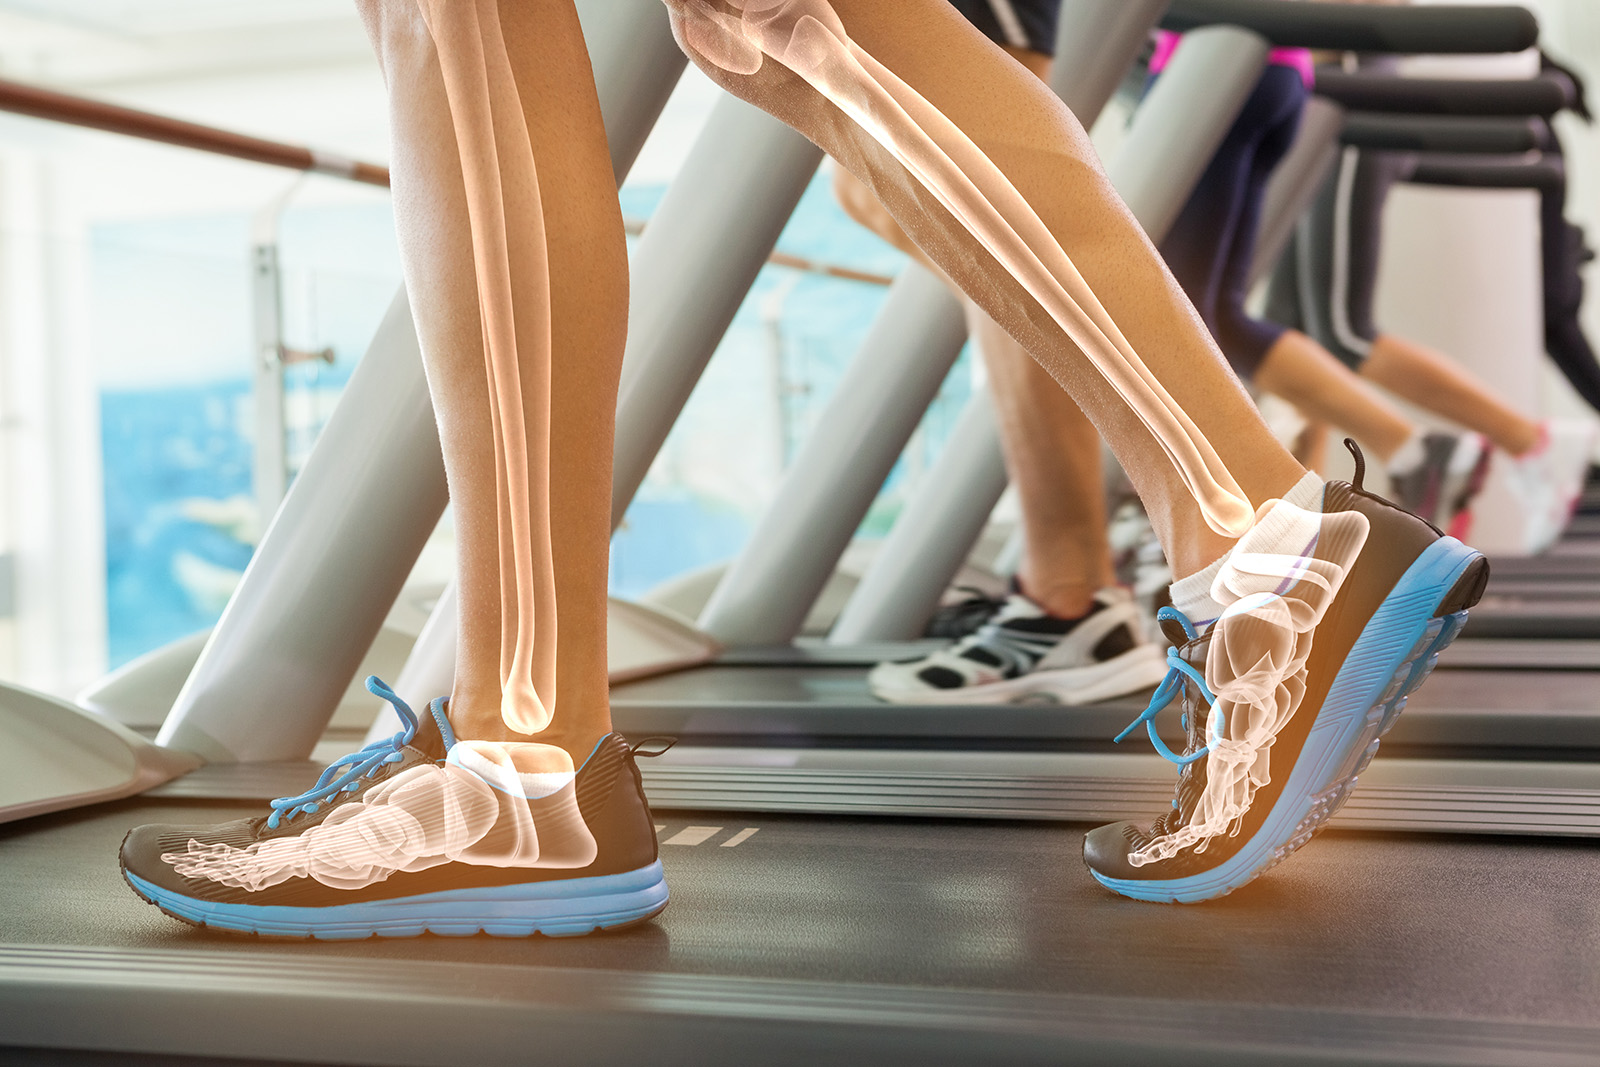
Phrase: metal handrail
(635, 227)
(1433, 28)
(23, 99)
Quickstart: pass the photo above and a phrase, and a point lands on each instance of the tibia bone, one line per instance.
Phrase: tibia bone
(509, 257)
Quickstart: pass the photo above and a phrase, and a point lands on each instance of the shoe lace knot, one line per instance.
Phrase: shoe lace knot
(1179, 672)
(346, 772)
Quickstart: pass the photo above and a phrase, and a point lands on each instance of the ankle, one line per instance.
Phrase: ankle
(1527, 439)
(475, 715)
(478, 719)
(1063, 600)
(1191, 592)
(578, 745)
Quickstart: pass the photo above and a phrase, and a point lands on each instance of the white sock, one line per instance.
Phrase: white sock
(1192, 595)
(1408, 456)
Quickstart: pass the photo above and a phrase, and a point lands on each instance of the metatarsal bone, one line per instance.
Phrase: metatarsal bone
(493, 805)
(808, 38)
(1256, 663)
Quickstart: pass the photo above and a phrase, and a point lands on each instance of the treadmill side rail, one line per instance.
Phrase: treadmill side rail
(59, 756)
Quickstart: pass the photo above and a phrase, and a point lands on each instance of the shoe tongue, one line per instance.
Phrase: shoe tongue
(434, 736)
(1018, 606)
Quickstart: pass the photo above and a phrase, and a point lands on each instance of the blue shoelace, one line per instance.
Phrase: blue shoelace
(1179, 671)
(345, 773)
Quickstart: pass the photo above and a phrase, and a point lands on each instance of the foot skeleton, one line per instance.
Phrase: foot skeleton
(482, 806)
(1256, 664)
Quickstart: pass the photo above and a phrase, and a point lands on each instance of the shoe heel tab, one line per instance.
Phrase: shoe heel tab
(1339, 496)
(1358, 483)
(651, 747)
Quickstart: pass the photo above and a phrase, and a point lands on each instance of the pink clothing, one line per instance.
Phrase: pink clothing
(1298, 59)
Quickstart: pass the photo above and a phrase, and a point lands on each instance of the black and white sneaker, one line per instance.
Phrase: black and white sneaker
(1025, 654)
(267, 876)
(1440, 489)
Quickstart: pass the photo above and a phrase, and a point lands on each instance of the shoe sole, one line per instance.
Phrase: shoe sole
(560, 908)
(1136, 669)
(1397, 650)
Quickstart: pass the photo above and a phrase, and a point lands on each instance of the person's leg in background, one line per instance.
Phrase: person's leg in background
(1067, 633)
(1211, 250)
(1409, 370)
(1052, 455)
(1563, 253)
(1339, 245)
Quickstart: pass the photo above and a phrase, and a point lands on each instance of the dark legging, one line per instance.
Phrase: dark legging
(1326, 280)
(1328, 276)
(1027, 24)
(1211, 246)
(1562, 251)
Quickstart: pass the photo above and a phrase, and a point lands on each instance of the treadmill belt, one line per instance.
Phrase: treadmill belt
(824, 938)
(1496, 710)
(1534, 618)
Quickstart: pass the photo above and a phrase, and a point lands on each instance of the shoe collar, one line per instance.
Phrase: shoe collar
(434, 737)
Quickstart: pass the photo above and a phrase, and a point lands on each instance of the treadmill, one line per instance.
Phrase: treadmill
(830, 932)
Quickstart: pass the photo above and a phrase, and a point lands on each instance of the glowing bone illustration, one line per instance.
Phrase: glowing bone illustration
(494, 805)
(1256, 664)
(807, 37)
(507, 227)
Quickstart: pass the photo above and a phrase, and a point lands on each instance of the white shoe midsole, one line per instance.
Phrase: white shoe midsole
(1138, 668)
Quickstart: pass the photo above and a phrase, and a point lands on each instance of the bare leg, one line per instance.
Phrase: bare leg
(588, 328)
(1309, 377)
(1034, 140)
(1052, 453)
(1052, 450)
(1431, 381)
(1311, 447)
(583, 324)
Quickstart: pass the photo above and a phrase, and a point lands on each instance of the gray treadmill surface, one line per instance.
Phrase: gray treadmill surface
(1548, 567)
(1554, 596)
(850, 937)
(1504, 710)
(1555, 585)
(1534, 617)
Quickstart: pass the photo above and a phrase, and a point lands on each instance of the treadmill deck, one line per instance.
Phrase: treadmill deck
(903, 940)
